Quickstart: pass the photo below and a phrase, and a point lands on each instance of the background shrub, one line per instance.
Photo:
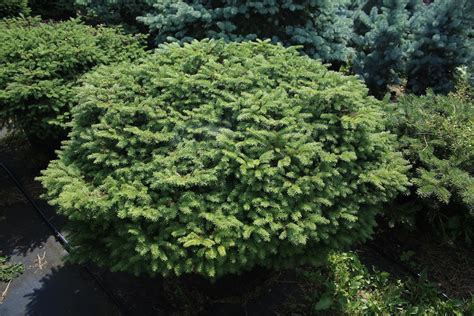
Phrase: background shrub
(12, 8)
(213, 158)
(380, 56)
(53, 9)
(386, 42)
(411, 40)
(115, 12)
(40, 64)
(320, 27)
(441, 39)
(437, 136)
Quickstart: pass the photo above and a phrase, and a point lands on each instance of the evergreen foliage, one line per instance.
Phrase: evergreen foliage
(53, 9)
(437, 136)
(40, 64)
(12, 8)
(115, 12)
(213, 158)
(380, 55)
(442, 39)
(320, 27)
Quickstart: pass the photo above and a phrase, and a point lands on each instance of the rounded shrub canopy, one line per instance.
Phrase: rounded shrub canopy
(40, 64)
(212, 158)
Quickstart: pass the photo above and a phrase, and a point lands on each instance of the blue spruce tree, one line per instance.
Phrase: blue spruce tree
(442, 39)
(380, 55)
(319, 26)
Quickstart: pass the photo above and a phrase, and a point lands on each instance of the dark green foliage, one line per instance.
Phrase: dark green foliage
(320, 27)
(121, 13)
(380, 56)
(12, 8)
(437, 136)
(213, 158)
(442, 39)
(345, 286)
(115, 12)
(40, 64)
(9, 271)
(53, 9)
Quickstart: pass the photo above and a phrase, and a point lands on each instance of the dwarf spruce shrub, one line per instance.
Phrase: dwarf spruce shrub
(40, 64)
(213, 158)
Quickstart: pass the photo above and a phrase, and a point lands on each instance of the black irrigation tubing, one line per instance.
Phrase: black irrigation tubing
(62, 240)
(59, 237)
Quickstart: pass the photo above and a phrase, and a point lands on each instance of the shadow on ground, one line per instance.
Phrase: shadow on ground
(258, 292)
(67, 290)
(17, 217)
(21, 230)
(48, 286)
